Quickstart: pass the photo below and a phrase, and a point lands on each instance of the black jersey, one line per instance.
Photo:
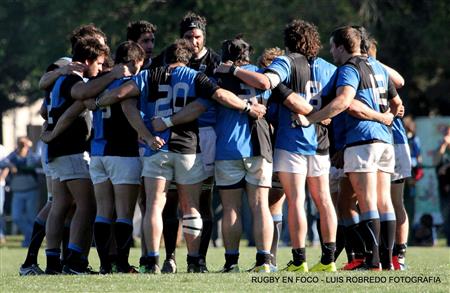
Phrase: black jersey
(113, 134)
(74, 140)
(165, 91)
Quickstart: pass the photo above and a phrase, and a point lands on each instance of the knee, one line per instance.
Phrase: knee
(192, 224)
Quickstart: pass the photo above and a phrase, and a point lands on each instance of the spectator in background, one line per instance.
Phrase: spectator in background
(423, 232)
(3, 173)
(24, 185)
(416, 165)
(442, 163)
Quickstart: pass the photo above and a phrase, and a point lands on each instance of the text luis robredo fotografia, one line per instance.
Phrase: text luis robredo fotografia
(346, 279)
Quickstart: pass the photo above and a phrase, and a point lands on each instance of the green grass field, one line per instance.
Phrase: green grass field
(429, 271)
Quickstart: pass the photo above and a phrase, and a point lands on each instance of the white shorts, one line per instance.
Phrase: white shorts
(309, 165)
(256, 170)
(69, 167)
(284, 161)
(318, 165)
(120, 170)
(372, 157)
(402, 167)
(181, 168)
(335, 177)
(207, 137)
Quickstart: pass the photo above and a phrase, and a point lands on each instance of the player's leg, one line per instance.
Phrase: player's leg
(354, 242)
(386, 165)
(61, 204)
(402, 170)
(259, 180)
(81, 227)
(276, 201)
(125, 196)
(320, 192)
(104, 198)
(231, 226)
(125, 192)
(155, 190)
(30, 265)
(294, 187)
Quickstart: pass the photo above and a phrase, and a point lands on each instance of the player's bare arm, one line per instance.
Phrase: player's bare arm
(64, 121)
(129, 107)
(86, 90)
(49, 78)
(125, 91)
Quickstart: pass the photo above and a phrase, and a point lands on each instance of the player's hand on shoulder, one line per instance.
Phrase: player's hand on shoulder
(223, 67)
(73, 68)
(120, 70)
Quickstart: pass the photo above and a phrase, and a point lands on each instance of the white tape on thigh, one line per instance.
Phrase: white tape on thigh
(192, 224)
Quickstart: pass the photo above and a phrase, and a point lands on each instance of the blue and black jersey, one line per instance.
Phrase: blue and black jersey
(398, 131)
(165, 91)
(74, 140)
(206, 64)
(238, 135)
(306, 78)
(370, 86)
(113, 134)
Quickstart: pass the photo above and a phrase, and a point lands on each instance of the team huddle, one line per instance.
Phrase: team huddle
(165, 131)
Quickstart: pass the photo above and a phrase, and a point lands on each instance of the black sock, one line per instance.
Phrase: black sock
(65, 242)
(231, 259)
(387, 238)
(356, 237)
(370, 230)
(399, 250)
(328, 250)
(53, 259)
(75, 260)
(37, 237)
(298, 256)
(340, 241)
(170, 233)
(263, 258)
(102, 237)
(205, 238)
(277, 229)
(124, 237)
(192, 260)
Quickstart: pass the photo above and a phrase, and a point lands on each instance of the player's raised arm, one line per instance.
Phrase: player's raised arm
(125, 91)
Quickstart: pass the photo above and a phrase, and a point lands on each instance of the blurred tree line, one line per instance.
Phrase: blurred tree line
(413, 36)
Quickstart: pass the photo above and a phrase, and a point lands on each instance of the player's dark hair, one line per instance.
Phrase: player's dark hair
(89, 49)
(180, 51)
(348, 37)
(129, 51)
(236, 50)
(87, 30)
(191, 21)
(365, 39)
(302, 37)
(137, 28)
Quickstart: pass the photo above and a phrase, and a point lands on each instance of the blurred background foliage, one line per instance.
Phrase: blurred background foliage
(413, 36)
